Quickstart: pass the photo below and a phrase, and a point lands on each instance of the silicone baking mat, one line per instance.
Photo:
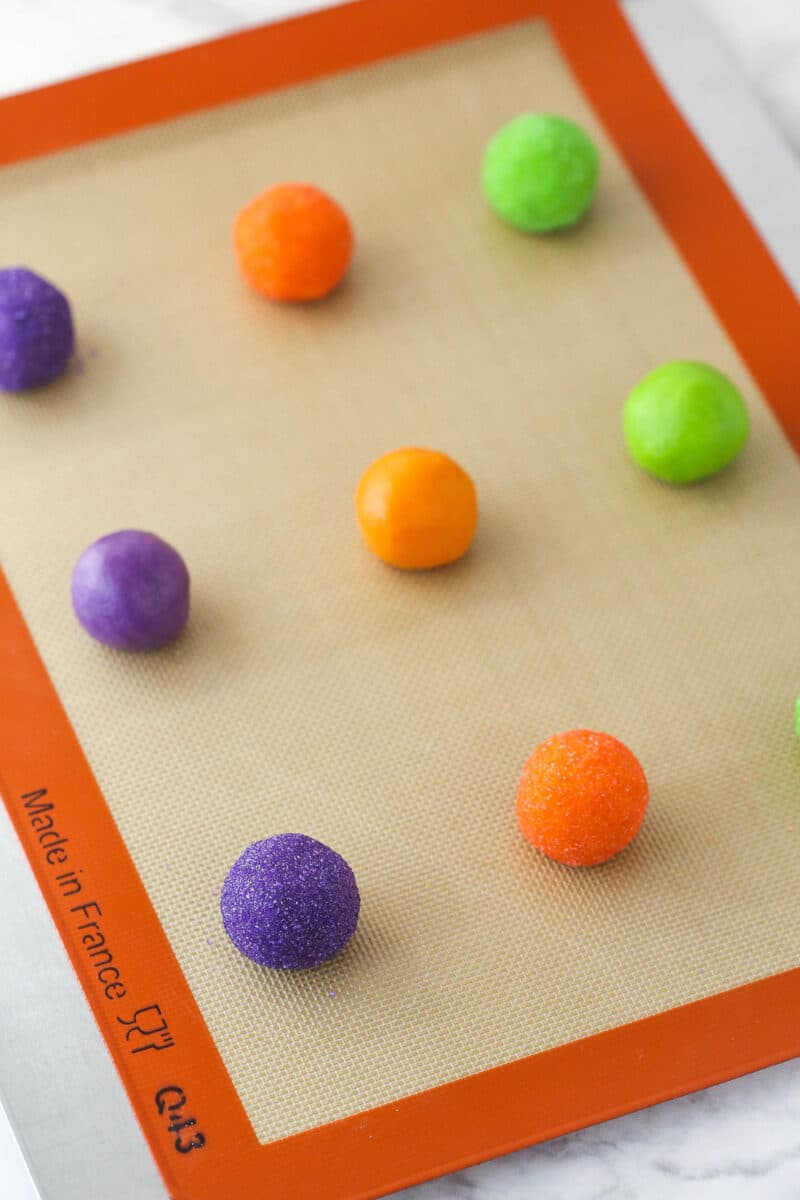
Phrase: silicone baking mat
(487, 991)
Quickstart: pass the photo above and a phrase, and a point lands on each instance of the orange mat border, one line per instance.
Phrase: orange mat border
(523, 1102)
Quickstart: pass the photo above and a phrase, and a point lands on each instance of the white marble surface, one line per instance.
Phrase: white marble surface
(740, 1140)
(45, 40)
(765, 37)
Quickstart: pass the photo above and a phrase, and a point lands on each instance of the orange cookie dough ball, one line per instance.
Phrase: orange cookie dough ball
(581, 798)
(417, 509)
(293, 242)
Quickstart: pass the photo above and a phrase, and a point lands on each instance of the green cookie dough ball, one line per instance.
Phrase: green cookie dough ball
(540, 172)
(685, 421)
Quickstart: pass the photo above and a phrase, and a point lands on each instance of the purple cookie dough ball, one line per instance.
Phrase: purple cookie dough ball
(130, 590)
(36, 333)
(290, 901)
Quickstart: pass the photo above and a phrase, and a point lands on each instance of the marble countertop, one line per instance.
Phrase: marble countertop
(737, 1141)
(46, 40)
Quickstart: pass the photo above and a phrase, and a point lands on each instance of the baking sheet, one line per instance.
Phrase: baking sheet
(390, 714)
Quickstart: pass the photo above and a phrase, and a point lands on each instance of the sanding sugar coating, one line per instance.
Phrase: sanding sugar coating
(540, 172)
(290, 902)
(582, 797)
(685, 421)
(36, 332)
(130, 590)
(293, 242)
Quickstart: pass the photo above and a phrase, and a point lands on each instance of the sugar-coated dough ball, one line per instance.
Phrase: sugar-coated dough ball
(130, 590)
(540, 172)
(293, 242)
(290, 902)
(685, 421)
(36, 332)
(417, 508)
(581, 798)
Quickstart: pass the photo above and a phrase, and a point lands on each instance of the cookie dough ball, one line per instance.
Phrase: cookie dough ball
(582, 797)
(416, 509)
(293, 242)
(130, 590)
(684, 422)
(540, 172)
(36, 332)
(290, 902)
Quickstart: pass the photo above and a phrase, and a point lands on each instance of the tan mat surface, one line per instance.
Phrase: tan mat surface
(390, 714)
